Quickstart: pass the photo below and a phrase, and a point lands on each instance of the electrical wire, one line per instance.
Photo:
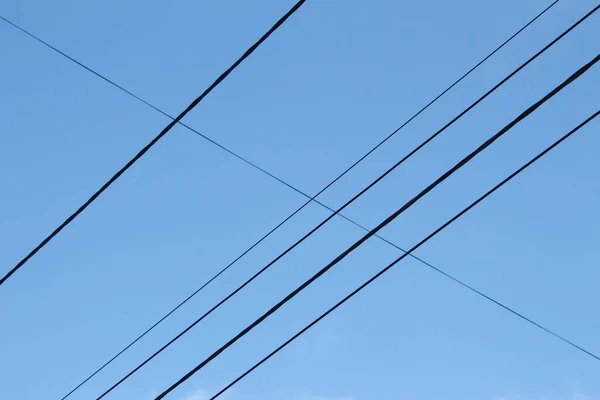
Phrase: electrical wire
(245, 160)
(461, 163)
(265, 172)
(143, 151)
(257, 274)
(388, 220)
(260, 272)
(464, 211)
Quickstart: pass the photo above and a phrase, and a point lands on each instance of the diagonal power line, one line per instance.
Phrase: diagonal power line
(177, 120)
(422, 242)
(256, 275)
(313, 198)
(383, 239)
(577, 74)
(245, 160)
(162, 133)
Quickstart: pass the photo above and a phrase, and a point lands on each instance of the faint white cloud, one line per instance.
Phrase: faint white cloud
(202, 395)
(574, 396)
(580, 396)
(197, 395)
(305, 397)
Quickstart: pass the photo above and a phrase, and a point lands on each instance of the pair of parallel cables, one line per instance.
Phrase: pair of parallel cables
(391, 218)
(310, 198)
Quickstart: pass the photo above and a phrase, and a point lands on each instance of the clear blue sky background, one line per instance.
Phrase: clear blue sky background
(336, 79)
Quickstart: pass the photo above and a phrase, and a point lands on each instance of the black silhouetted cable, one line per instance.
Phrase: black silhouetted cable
(276, 178)
(257, 274)
(155, 140)
(385, 222)
(442, 178)
(422, 242)
(255, 165)
(177, 120)
(245, 160)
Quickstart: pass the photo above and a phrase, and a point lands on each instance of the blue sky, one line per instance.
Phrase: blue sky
(324, 89)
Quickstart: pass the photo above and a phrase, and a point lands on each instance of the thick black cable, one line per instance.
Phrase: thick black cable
(385, 222)
(155, 140)
(298, 242)
(313, 198)
(245, 160)
(364, 285)
(254, 165)
(118, 354)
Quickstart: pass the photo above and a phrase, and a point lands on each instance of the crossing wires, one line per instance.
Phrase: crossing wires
(307, 235)
(415, 247)
(139, 337)
(371, 233)
(384, 223)
(162, 133)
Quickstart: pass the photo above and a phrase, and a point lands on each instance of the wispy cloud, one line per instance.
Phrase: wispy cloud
(202, 395)
(197, 395)
(574, 396)
(580, 396)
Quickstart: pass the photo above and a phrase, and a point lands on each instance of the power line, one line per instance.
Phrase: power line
(244, 159)
(155, 140)
(273, 176)
(261, 169)
(298, 242)
(388, 220)
(364, 285)
(257, 274)
(209, 282)
(384, 223)
(178, 119)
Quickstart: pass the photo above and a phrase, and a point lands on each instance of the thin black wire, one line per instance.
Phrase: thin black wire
(385, 222)
(313, 198)
(251, 163)
(364, 285)
(254, 165)
(247, 161)
(269, 174)
(155, 140)
(257, 274)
